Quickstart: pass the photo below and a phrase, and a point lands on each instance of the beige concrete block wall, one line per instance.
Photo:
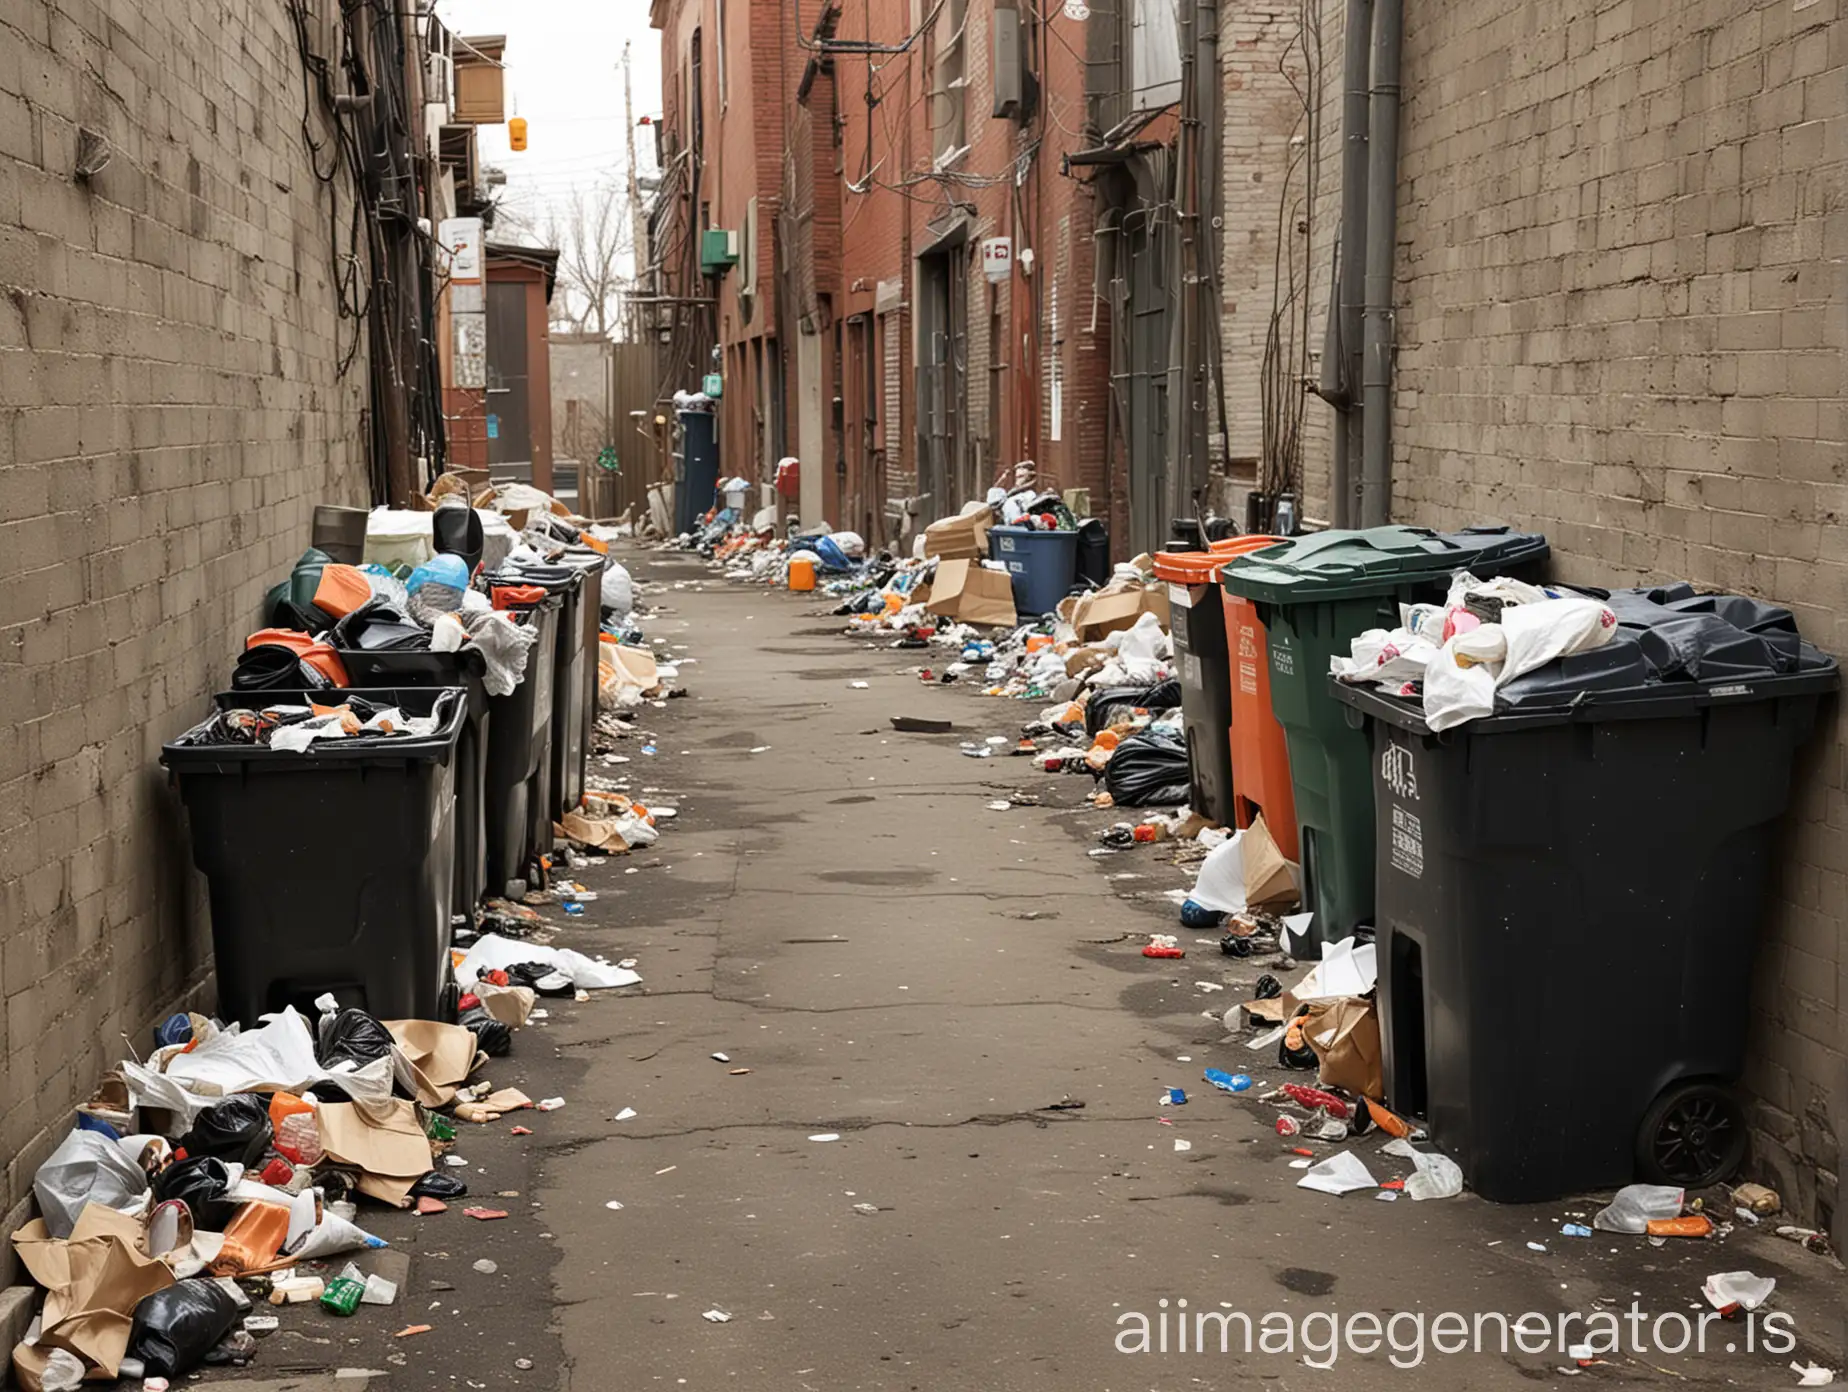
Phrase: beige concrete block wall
(1621, 310)
(169, 416)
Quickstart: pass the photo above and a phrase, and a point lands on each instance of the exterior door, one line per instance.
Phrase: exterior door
(942, 394)
(510, 432)
(1148, 304)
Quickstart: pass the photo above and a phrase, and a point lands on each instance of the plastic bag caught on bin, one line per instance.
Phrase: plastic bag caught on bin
(175, 1328)
(1636, 1205)
(237, 1130)
(87, 1167)
(503, 645)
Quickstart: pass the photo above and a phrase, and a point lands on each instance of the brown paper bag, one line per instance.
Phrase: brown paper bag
(391, 1154)
(1269, 883)
(1345, 1035)
(441, 1057)
(93, 1281)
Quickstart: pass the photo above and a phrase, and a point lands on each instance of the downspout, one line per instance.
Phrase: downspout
(1382, 242)
(1355, 68)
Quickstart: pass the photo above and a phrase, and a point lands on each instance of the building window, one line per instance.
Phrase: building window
(949, 83)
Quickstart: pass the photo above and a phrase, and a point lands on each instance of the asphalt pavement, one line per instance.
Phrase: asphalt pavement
(885, 1184)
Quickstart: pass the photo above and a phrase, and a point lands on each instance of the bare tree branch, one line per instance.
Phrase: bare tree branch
(593, 239)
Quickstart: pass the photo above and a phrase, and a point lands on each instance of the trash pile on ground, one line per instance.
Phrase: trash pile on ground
(349, 778)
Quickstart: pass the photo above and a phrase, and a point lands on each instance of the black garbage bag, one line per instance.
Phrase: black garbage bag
(439, 1184)
(272, 667)
(236, 1130)
(351, 1036)
(175, 1328)
(1111, 704)
(532, 973)
(1148, 770)
(380, 627)
(204, 1184)
(492, 1037)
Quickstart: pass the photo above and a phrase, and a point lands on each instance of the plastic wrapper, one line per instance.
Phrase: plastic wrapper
(175, 1328)
(87, 1167)
(439, 1184)
(1635, 1206)
(236, 1130)
(1148, 770)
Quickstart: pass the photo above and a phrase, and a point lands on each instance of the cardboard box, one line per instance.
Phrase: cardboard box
(1118, 606)
(1345, 1035)
(959, 538)
(964, 590)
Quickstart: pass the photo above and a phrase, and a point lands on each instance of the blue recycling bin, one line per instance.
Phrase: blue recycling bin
(1042, 565)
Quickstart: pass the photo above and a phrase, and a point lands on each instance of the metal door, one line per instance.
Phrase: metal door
(510, 436)
(941, 391)
(1148, 304)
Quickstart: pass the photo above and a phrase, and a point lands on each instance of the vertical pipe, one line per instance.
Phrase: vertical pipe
(1382, 239)
(1355, 69)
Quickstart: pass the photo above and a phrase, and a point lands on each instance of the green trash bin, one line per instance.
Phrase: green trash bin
(1315, 594)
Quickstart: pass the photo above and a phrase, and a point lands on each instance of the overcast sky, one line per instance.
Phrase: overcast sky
(564, 75)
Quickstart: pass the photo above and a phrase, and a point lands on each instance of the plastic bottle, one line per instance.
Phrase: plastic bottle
(298, 1139)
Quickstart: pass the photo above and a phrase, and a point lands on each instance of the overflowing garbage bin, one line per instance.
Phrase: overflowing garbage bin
(465, 669)
(1569, 893)
(329, 868)
(572, 690)
(1197, 621)
(518, 772)
(1259, 748)
(571, 770)
(1313, 594)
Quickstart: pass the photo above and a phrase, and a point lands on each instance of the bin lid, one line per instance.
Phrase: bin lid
(1202, 567)
(1338, 564)
(1674, 649)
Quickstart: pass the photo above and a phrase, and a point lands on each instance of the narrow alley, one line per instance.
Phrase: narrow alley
(839, 911)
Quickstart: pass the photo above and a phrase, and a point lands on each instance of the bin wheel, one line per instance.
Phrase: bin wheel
(1693, 1135)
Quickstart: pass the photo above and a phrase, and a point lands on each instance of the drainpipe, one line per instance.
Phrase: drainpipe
(1382, 230)
(1341, 367)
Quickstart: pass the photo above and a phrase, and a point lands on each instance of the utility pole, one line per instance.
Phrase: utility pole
(638, 227)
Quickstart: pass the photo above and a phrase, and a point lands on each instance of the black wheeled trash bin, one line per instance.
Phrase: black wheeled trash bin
(566, 756)
(1569, 893)
(519, 764)
(410, 667)
(328, 869)
(571, 766)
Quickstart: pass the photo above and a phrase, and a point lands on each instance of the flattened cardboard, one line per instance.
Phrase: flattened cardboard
(1118, 605)
(968, 592)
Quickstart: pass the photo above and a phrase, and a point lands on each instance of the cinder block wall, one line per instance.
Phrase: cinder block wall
(169, 417)
(1621, 310)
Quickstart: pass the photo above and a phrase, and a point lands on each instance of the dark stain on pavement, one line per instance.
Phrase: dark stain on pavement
(1306, 1282)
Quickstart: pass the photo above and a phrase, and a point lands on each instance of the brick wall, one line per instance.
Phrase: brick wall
(1620, 320)
(169, 417)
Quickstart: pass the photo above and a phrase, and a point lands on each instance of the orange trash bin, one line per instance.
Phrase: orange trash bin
(1260, 757)
(1202, 663)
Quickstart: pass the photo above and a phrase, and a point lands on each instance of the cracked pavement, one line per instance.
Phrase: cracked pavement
(901, 966)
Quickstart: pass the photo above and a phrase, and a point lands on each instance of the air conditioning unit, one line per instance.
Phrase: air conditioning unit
(718, 250)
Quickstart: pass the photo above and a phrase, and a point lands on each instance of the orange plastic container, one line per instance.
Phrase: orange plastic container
(1202, 658)
(1260, 757)
(801, 575)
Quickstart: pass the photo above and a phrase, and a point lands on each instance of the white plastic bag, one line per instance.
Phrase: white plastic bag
(1541, 632)
(1635, 1205)
(1437, 1175)
(1221, 885)
(618, 589)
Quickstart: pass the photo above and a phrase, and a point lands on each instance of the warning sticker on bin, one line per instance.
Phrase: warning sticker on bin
(1407, 842)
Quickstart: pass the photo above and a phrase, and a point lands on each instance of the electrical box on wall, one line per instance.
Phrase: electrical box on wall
(1006, 50)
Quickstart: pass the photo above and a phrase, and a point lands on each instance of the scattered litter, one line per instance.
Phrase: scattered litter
(865, 1208)
(411, 1329)
(739, 1072)
(550, 1104)
(1536, 1246)
(1574, 1230)
(521, 1131)
(669, 1169)
(826, 1136)
(487, 1267)
(859, 685)
(1183, 1145)
(614, 1205)
(716, 1316)
(723, 1058)
(625, 1114)
(1339, 1174)
(1728, 1291)
(485, 1215)
(1812, 1374)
